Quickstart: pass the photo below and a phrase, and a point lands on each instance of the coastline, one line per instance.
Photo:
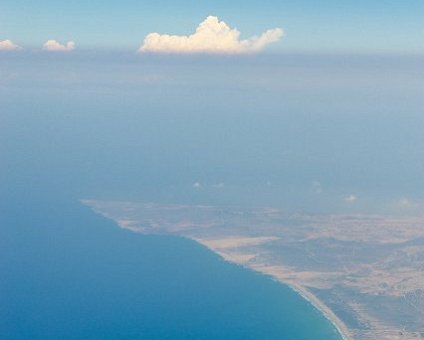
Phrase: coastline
(271, 272)
(324, 309)
(338, 324)
(248, 247)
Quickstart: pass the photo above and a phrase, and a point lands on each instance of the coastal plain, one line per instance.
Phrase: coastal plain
(365, 273)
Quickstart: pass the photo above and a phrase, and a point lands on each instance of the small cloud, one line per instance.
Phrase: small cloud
(197, 185)
(350, 198)
(407, 203)
(317, 187)
(8, 45)
(211, 36)
(54, 46)
(218, 186)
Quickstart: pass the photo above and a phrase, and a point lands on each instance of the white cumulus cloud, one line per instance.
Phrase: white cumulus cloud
(54, 46)
(8, 45)
(211, 36)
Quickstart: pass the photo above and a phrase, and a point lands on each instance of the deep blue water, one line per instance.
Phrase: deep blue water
(69, 273)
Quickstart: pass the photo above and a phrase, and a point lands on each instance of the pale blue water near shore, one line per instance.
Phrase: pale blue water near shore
(72, 274)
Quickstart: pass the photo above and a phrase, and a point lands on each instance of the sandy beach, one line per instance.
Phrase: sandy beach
(318, 304)
(276, 273)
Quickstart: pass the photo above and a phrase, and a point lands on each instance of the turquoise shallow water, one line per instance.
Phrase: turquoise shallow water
(72, 274)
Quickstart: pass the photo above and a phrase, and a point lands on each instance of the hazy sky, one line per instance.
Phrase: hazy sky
(303, 127)
(329, 25)
(315, 132)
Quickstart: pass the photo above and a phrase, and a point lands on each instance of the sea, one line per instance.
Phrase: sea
(68, 273)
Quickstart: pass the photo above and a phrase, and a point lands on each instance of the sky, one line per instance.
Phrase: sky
(386, 26)
(315, 133)
(316, 107)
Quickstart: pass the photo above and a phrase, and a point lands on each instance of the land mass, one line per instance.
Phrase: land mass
(364, 272)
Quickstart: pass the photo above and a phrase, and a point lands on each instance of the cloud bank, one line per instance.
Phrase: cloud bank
(211, 36)
(54, 46)
(8, 45)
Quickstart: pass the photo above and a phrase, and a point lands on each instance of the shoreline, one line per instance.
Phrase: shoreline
(316, 303)
(338, 324)
(322, 308)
